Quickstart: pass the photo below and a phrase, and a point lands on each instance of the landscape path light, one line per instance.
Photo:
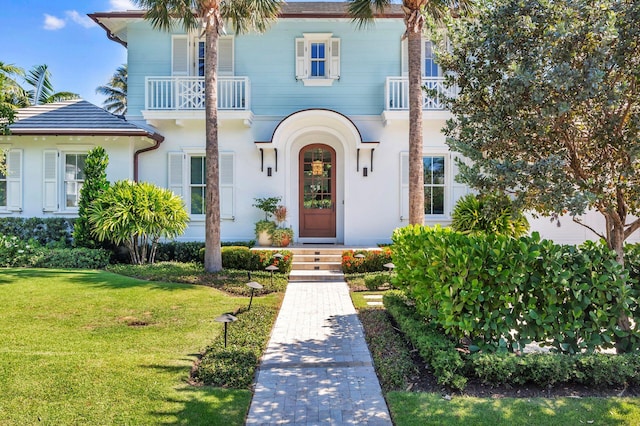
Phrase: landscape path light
(271, 268)
(254, 286)
(226, 319)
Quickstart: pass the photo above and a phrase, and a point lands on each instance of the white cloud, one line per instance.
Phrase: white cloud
(53, 23)
(123, 5)
(79, 19)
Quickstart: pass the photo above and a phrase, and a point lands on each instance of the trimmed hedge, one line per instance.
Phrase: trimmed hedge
(452, 366)
(484, 287)
(15, 252)
(190, 251)
(234, 366)
(373, 260)
(255, 260)
(46, 231)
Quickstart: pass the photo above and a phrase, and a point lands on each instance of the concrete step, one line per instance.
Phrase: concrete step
(336, 258)
(316, 251)
(316, 266)
(319, 276)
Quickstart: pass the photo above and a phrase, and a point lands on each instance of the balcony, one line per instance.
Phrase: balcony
(397, 97)
(183, 98)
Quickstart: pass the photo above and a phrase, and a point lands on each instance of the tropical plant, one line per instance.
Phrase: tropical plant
(281, 237)
(137, 215)
(267, 204)
(116, 92)
(10, 92)
(488, 213)
(41, 89)
(416, 14)
(95, 183)
(209, 16)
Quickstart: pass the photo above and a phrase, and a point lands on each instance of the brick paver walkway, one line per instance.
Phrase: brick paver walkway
(317, 369)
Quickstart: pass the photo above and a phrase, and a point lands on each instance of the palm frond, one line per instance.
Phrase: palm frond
(61, 96)
(165, 14)
(116, 92)
(246, 15)
(39, 78)
(363, 11)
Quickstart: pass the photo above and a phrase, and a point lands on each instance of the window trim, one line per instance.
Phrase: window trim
(302, 52)
(14, 162)
(448, 185)
(63, 180)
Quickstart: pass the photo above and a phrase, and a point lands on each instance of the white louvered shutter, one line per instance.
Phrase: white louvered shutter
(225, 56)
(334, 58)
(175, 172)
(14, 180)
(179, 55)
(301, 62)
(50, 181)
(404, 186)
(226, 186)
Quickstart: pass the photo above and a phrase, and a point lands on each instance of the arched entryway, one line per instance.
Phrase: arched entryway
(317, 191)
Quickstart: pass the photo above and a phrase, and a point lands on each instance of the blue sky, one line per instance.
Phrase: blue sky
(59, 33)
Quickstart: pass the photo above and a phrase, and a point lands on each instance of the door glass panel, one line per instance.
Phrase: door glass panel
(317, 179)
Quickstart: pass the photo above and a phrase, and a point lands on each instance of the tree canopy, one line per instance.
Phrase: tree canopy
(549, 107)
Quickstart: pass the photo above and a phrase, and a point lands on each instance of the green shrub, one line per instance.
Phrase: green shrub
(373, 260)
(437, 350)
(46, 231)
(488, 213)
(254, 260)
(481, 287)
(376, 281)
(80, 257)
(16, 252)
(390, 353)
(95, 183)
(235, 366)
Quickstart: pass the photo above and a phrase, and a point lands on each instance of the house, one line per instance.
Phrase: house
(314, 111)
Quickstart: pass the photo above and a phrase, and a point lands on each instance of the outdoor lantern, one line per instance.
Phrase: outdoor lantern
(390, 266)
(254, 286)
(271, 268)
(226, 319)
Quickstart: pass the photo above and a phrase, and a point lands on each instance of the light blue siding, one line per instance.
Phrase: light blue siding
(367, 57)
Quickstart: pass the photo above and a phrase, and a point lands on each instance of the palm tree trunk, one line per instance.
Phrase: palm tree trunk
(213, 252)
(416, 165)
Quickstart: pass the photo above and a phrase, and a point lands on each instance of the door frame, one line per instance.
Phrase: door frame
(332, 230)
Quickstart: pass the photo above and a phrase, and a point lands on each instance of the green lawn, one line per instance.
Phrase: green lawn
(91, 347)
(422, 409)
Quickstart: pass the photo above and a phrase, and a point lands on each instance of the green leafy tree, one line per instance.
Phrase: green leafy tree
(137, 215)
(488, 213)
(209, 17)
(417, 14)
(549, 108)
(116, 92)
(95, 183)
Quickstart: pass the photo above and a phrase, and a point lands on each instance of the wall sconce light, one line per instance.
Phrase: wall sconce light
(269, 171)
(365, 172)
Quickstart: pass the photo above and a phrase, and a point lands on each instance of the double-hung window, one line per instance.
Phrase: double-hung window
(63, 177)
(429, 65)
(187, 178)
(317, 59)
(436, 188)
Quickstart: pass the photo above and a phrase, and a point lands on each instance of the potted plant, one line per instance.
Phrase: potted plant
(281, 236)
(264, 227)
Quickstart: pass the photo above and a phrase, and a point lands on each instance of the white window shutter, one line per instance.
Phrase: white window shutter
(334, 58)
(50, 181)
(404, 186)
(175, 171)
(404, 62)
(226, 186)
(301, 59)
(14, 180)
(179, 55)
(225, 56)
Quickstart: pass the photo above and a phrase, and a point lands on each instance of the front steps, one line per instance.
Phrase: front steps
(316, 264)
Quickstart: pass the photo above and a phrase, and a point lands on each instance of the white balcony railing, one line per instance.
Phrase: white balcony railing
(397, 93)
(187, 93)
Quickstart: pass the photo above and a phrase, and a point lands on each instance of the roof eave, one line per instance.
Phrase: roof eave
(86, 132)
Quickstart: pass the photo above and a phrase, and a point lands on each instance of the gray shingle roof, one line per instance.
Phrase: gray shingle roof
(74, 117)
(319, 8)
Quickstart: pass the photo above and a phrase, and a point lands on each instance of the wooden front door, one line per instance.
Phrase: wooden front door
(317, 191)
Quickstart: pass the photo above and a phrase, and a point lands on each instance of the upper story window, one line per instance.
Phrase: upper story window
(317, 59)
(428, 63)
(188, 56)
